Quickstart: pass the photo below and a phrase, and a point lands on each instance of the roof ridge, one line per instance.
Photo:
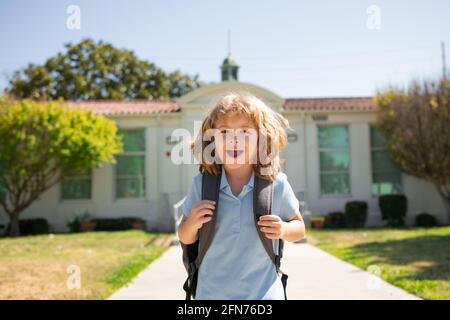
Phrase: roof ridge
(122, 101)
(330, 98)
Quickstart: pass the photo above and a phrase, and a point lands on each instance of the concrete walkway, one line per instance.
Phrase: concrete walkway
(313, 274)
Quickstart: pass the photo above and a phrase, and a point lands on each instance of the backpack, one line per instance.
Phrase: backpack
(262, 204)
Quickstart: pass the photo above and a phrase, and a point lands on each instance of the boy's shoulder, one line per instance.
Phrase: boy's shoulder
(198, 179)
(280, 178)
(198, 176)
(280, 183)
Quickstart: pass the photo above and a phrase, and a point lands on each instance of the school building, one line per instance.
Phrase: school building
(334, 156)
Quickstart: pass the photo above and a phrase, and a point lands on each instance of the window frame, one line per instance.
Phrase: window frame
(142, 153)
(61, 188)
(372, 172)
(325, 149)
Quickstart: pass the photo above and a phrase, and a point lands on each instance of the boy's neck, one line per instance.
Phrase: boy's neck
(240, 175)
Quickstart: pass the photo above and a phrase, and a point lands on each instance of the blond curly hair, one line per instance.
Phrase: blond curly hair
(269, 124)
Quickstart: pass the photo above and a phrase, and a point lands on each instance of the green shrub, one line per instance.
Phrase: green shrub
(74, 224)
(32, 226)
(115, 224)
(356, 214)
(393, 208)
(335, 220)
(425, 220)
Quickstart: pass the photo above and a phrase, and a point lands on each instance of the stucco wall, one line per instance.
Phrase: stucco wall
(302, 168)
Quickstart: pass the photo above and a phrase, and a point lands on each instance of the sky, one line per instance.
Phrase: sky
(292, 48)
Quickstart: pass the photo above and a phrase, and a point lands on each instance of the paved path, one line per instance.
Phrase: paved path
(313, 274)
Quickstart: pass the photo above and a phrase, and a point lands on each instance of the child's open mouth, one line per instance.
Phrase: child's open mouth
(234, 153)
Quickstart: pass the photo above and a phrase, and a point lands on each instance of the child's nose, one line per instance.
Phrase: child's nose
(237, 139)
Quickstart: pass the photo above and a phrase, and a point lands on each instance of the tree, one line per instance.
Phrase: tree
(416, 124)
(3, 103)
(90, 70)
(40, 143)
(181, 84)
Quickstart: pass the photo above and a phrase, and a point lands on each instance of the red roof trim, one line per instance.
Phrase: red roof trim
(344, 103)
(126, 107)
(146, 107)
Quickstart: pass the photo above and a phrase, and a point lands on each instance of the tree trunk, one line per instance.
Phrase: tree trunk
(14, 230)
(446, 201)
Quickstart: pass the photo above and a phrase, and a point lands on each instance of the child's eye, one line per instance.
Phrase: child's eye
(239, 132)
(226, 132)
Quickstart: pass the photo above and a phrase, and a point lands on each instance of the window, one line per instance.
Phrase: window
(334, 158)
(386, 175)
(130, 167)
(76, 185)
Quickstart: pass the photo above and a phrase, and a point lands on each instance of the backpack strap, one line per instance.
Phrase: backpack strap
(193, 253)
(210, 191)
(262, 205)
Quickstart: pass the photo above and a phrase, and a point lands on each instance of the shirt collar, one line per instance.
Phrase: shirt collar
(224, 181)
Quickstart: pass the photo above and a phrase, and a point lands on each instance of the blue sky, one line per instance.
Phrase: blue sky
(294, 48)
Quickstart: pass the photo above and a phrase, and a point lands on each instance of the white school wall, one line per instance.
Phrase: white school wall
(302, 168)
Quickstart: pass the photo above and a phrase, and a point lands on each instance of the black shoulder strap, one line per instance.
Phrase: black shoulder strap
(262, 205)
(193, 253)
(210, 191)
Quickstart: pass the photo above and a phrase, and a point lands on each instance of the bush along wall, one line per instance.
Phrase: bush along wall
(355, 214)
(425, 220)
(32, 226)
(393, 209)
(335, 220)
(116, 224)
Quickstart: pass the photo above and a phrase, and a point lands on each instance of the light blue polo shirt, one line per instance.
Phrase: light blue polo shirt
(236, 265)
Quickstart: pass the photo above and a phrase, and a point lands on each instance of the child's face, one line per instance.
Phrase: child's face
(236, 140)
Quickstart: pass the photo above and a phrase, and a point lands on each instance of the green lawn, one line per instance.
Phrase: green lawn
(36, 267)
(415, 259)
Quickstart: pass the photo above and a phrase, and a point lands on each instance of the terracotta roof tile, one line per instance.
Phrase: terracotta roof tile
(145, 107)
(350, 103)
(126, 107)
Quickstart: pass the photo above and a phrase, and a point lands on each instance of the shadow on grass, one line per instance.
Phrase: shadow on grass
(429, 254)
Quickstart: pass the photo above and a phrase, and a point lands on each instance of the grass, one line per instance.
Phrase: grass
(38, 267)
(415, 259)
